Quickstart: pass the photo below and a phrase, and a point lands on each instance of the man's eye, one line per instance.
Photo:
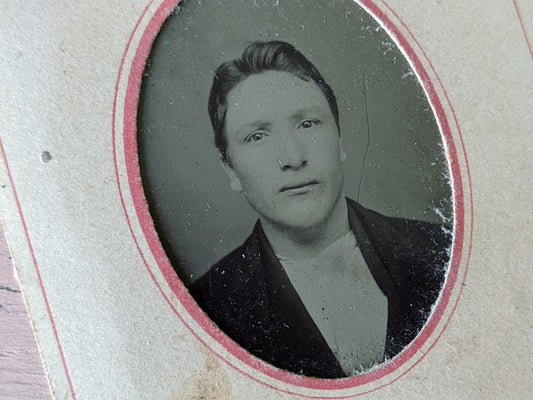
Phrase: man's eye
(308, 123)
(255, 137)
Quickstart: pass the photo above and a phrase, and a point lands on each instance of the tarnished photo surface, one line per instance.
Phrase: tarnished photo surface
(297, 179)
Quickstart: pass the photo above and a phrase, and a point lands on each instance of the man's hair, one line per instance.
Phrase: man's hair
(256, 58)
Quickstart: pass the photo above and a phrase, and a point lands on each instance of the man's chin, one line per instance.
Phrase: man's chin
(301, 220)
(300, 213)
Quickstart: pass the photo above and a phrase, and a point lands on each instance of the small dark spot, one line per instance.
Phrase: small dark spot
(46, 156)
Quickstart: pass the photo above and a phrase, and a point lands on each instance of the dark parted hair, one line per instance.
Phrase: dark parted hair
(256, 58)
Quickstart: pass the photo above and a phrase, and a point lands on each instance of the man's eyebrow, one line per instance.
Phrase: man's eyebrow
(304, 112)
(253, 125)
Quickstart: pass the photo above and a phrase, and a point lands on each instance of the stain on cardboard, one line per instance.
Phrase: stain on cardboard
(209, 382)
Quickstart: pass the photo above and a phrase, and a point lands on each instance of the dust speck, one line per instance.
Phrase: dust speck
(46, 156)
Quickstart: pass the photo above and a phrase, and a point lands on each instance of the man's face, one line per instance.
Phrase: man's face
(284, 149)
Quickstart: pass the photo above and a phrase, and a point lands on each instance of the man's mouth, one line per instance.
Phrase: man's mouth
(307, 184)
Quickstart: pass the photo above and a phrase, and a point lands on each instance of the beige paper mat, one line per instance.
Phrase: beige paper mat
(108, 321)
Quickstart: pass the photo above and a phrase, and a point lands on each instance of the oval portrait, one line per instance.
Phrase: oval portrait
(298, 180)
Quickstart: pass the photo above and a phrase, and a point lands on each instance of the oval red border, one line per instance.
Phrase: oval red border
(144, 218)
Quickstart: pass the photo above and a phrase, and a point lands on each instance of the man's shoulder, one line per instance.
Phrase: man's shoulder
(396, 233)
(235, 272)
(415, 253)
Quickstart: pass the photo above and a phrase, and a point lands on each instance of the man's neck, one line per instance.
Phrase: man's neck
(306, 243)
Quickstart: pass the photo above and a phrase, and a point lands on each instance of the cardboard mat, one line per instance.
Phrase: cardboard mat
(113, 200)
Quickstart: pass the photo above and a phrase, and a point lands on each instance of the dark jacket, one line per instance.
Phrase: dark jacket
(249, 296)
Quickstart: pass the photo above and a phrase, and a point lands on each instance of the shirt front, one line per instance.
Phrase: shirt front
(344, 301)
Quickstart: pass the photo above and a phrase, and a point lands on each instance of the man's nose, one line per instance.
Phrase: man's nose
(292, 154)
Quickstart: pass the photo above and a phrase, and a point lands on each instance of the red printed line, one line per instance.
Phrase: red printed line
(133, 173)
(39, 277)
(523, 28)
(467, 172)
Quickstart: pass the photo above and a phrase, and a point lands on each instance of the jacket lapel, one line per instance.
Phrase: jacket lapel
(296, 340)
(400, 319)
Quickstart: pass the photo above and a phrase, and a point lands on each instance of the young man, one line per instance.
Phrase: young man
(322, 287)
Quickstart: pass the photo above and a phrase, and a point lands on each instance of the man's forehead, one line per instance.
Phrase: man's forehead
(272, 95)
(271, 80)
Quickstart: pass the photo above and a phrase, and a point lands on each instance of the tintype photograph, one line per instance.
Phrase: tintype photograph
(297, 178)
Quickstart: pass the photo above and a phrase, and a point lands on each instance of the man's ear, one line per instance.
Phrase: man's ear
(234, 181)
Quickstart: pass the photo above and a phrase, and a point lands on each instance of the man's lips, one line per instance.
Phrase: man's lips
(299, 185)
